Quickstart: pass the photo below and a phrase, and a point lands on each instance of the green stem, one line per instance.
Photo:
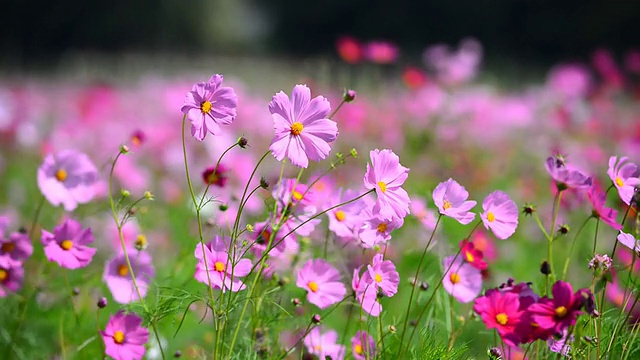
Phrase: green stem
(573, 243)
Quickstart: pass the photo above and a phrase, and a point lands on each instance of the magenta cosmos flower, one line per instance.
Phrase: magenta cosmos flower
(67, 178)
(500, 214)
(118, 278)
(11, 277)
(67, 245)
(209, 105)
(624, 177)
(461, 280)
(324, 345)
(363, 346)
(558, 313)
(386, 176)
(451, 199)
(124, 338)
(223, 272)
(302, 130)
(15, 249)
(598, 201)
(500, 311)
(322, 282)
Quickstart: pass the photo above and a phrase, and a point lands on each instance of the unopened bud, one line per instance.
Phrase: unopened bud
(263, 183)
(102, 302)
(528, 209)
(249, 228)
(177, 354)
(125, 193)
(316, 319)
(564, 229)
(148, 195)
(424, 286)
(124, 149)
(223, 207)
(349, 95)
(392, 329)
(354, 152)
(242, 142)
(495, 353)
(545, 268)
(75, 291)
(295, 302)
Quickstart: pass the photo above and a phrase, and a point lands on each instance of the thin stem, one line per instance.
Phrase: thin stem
(551, 236)
(573, 243)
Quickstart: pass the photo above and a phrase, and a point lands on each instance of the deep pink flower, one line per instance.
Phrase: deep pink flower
(462, 281)
(349, 49)
(500, 311)
(624, 176)
(11, 277)
(216, 177)
(224, 272)
(209, 105)
(67, 245)
(124, 337)
(67, 178)
(607, 215)
(558, 313)
(564, 176)
(451, 199)
(384, 275)
(363, 346)
(500, 214)
(381, 52)
(472, 255)
(324, 345)
(386, 176)
(366, 293)
(322, 282)
(118, 278)
(15, 249)
(302, 130)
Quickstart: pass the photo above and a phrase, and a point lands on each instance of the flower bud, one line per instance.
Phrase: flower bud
(148, 195)
(124, 149)
(316, 319)
(102, 302)
(295, 302)
(263, 183)
(349, 95)
(528, 209)
(125, 193)
(242, 142)
(545, 268)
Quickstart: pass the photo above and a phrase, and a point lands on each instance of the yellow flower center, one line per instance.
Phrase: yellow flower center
(313, 286)
(491, 217)
(123, 270)
(534, 324)
(317, 348)
(219, 266)
(3, 274)
(502, 319)
(454, 278)
(66, 245)
(561, 311)
(619, 181)
(382, 227)
(118, 337)
(378, 278)
(8, 247)
(469, 257)
(61, 175)
(339, 215)
(296, 128)
(297, 195)
(382, 186)
(205, 107)
(358, 349)
(446, 205)
(141, 241)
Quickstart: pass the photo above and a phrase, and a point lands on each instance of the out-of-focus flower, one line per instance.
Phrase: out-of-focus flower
(454, 67)
(15, 249)
(451, 199)
(570, 81)
(11, 277)
(124, 337)
(363, 346)
(324, 345)
(608, 215)
(322, 282)
(366, 293)
(564, 176)
(500, 214)
(461, 280)
(67, 246)
(381, 52)
(386, 175)
(209, 105)
(349, 49)
(472, 255)
(118, 278)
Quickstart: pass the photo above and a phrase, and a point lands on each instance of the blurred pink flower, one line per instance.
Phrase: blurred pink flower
(454, 67)
(15, 249)
(118, 278)
(570, 81)
(67, 245)
(461, 280)
(363, 346)
(598, 201)
(11, 278)
(349, 49)
(324, 345)
(381, 52)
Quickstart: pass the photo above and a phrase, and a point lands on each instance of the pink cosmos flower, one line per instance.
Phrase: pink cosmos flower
(500, 214)
(118, 278)
(324, 345)
(624, 176)
(345, 221)
(564, 176)
(67, 245)
(67, 178)
(376, 229)
(607, 215)
(472, 255)
(209, 105)
(14, 250)
(386, 176)
(381, 52)
(384, 274)
(451, 199)
(322, 282)
(292, 192)
(425, 215)
(462, 281)
(223, 271)
(561, 343)
(500, 311)
(11, 277)
(629, 241)
(302, 130)
(363, 346)
(124, 338)
(366, 293)
(558, 313)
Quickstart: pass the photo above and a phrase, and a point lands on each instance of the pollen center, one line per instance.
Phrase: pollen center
(378, 278)
(446, 205)
(491, 217)
(454, 278)
(313, 286)
(61, 175)
(561, 311)
(66, 245)
(297, 195)
(118, 337)
(619, 181)
(205, 107)
(382, 227)
(8, 247)
(123, 270)
(358, 349)
(469, 257)
(218, 266)
(296, 128)
(339, 215)
(382, 186)
(141, 241)
(502, 319)
(3, 274)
